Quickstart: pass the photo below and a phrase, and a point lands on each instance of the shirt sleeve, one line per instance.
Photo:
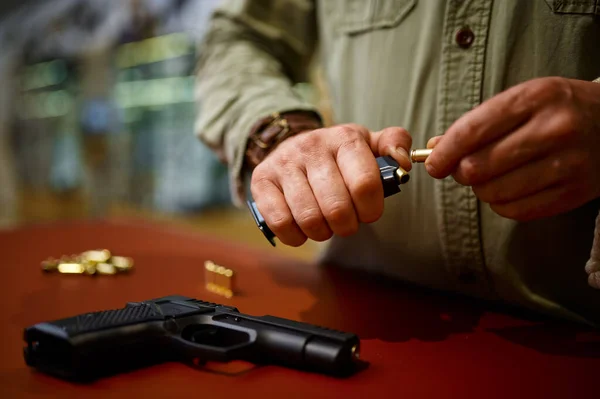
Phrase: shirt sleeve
(253, 52)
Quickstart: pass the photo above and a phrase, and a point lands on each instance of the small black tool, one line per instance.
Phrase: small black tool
(392, 176)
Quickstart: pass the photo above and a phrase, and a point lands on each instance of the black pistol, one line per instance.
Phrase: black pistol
(392, 176)
(177, 328)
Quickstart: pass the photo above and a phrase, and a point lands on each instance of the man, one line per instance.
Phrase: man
(505, 206)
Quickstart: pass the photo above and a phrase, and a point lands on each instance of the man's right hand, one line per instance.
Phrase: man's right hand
(323, 182)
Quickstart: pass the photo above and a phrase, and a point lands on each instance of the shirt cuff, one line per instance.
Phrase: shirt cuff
(238, 176)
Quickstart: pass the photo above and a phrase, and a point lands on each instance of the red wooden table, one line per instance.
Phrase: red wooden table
(419, 344)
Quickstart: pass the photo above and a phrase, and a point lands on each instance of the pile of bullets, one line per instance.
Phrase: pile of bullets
(100, 261)
(218, 279)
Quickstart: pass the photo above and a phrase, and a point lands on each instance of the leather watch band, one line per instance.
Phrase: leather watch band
(267, 133)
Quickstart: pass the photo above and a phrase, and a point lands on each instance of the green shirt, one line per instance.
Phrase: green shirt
(418, 64)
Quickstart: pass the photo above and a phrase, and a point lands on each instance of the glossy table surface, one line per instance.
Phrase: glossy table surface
(419, 344)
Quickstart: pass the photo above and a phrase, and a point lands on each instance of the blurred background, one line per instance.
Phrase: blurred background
(97, 114)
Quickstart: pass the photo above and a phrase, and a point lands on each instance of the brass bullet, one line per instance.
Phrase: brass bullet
(218, 279)
(402, 175)
(122, 263)
(99, 256)
(50, 265)
(89, 267)
(209, 275)
(105, 268)
(71, 268)
(420, 155)
(356, 352)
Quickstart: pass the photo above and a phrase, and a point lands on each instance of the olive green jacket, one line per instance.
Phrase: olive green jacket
(419, 64)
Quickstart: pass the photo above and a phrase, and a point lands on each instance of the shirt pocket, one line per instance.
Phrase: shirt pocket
(574, 6)
(360, 16)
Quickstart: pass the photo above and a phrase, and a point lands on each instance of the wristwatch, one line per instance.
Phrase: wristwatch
(269, 132)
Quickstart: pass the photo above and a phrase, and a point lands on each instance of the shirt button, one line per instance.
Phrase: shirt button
(465, 37)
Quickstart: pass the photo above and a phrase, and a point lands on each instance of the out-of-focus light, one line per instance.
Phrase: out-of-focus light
(44, 74)
(153, 50)
(71, 268)
(163, 91)
(46, 105)
(57, 103)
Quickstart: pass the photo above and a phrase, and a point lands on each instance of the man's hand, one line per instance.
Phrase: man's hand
(326, 181)
(532, 151)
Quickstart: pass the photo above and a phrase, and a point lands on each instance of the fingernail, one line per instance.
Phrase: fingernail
(432, 142)
(402, 153)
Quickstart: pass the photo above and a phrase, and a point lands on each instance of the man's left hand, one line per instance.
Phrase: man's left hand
(532, 151)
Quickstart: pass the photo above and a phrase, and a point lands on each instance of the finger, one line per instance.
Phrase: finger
(392, 141)
(492, 119)
(271, 203)
(303, 205)
(522, 182)
(552, 201)
(332, 196)
(525, 144)
(432, 142)
(362, 178)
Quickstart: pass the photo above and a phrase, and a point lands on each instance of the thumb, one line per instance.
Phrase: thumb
(392, 141)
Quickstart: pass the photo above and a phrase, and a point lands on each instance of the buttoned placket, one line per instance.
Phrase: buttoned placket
(466, 28)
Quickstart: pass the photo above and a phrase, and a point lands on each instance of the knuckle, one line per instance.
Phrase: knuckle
(543, 89)
(260, 173)
(307, 144)
(258, 183)
(364, 185)
(559, 87)
(469, 171)
(310, 220)
(340, 215)
(352, 144)
(280, 221)
(527, 97)
(564, 126)
(348, 132)
(395, 136)
(279, 160)
(338, 211)
(397, 131)
(465, 131)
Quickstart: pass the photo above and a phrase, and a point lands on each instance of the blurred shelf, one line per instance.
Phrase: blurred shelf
(226, 222)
